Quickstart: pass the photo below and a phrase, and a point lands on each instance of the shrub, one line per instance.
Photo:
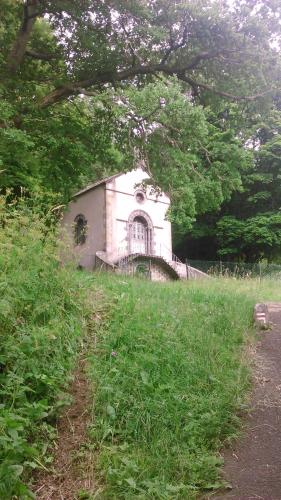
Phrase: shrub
(41, 328)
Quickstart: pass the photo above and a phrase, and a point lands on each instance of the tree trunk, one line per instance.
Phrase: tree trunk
(30, 13)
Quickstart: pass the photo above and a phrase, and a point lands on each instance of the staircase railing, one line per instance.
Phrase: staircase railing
(160, 250)
(165, 252)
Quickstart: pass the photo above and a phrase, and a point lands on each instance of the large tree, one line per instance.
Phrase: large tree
(86, 84)
(205, 44)
(248, 226)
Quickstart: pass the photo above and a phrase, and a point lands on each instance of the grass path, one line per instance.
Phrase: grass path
(169, 376)
(168, 368)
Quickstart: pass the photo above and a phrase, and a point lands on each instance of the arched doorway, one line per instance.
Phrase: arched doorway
(139, 236)
(140, 233)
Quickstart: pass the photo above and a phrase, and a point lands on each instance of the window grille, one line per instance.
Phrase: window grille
(80, 229)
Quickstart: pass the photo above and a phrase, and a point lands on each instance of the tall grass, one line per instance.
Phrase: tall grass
(43, 314)
(169, 373)
(170, 377)
(255, 289)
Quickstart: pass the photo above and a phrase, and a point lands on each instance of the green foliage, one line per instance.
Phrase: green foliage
(127, 56)
(169, 379)
(247, 227)
(258, 207)
(195, 161)
(56, 151)
(167, 373)
(258, 236)
(42, 328)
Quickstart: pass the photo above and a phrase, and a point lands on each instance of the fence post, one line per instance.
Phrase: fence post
(187, 271)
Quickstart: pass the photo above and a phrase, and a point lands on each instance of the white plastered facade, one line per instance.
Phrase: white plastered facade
(110, 208)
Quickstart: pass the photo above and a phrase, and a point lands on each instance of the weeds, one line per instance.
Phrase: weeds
(42, 321)
(168, 369)
(168, 397)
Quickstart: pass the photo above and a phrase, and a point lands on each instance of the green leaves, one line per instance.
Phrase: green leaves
(160, 77)
(259, 235)
(41, 325)
(187, 136)
(111, 412)
(197, 163)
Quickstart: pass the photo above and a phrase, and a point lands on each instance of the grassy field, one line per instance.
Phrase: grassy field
(169, 370)
(170, 374)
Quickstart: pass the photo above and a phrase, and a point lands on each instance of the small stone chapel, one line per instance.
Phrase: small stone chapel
(117, 223)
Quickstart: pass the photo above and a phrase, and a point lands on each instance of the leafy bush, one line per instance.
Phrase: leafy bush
(41, 332)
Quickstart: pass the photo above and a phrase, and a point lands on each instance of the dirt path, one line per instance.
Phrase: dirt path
(253, 466)
(67, 476)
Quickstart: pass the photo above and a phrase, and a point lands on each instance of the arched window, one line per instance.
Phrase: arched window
(80, 229)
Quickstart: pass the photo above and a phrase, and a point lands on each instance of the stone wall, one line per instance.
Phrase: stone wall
(195, 274)
(159, 274)
(145, 269)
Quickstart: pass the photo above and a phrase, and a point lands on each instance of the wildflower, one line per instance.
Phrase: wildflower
(113, 353)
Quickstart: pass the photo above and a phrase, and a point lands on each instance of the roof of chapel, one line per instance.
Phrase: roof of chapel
(98, 183)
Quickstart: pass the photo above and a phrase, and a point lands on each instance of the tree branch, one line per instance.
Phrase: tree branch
(204, 56)
(134, 55)
(221, 93)
(39, 55)
(69, 89)
(87, 92)
(75, 88)
(17, 53)
(175, 46)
